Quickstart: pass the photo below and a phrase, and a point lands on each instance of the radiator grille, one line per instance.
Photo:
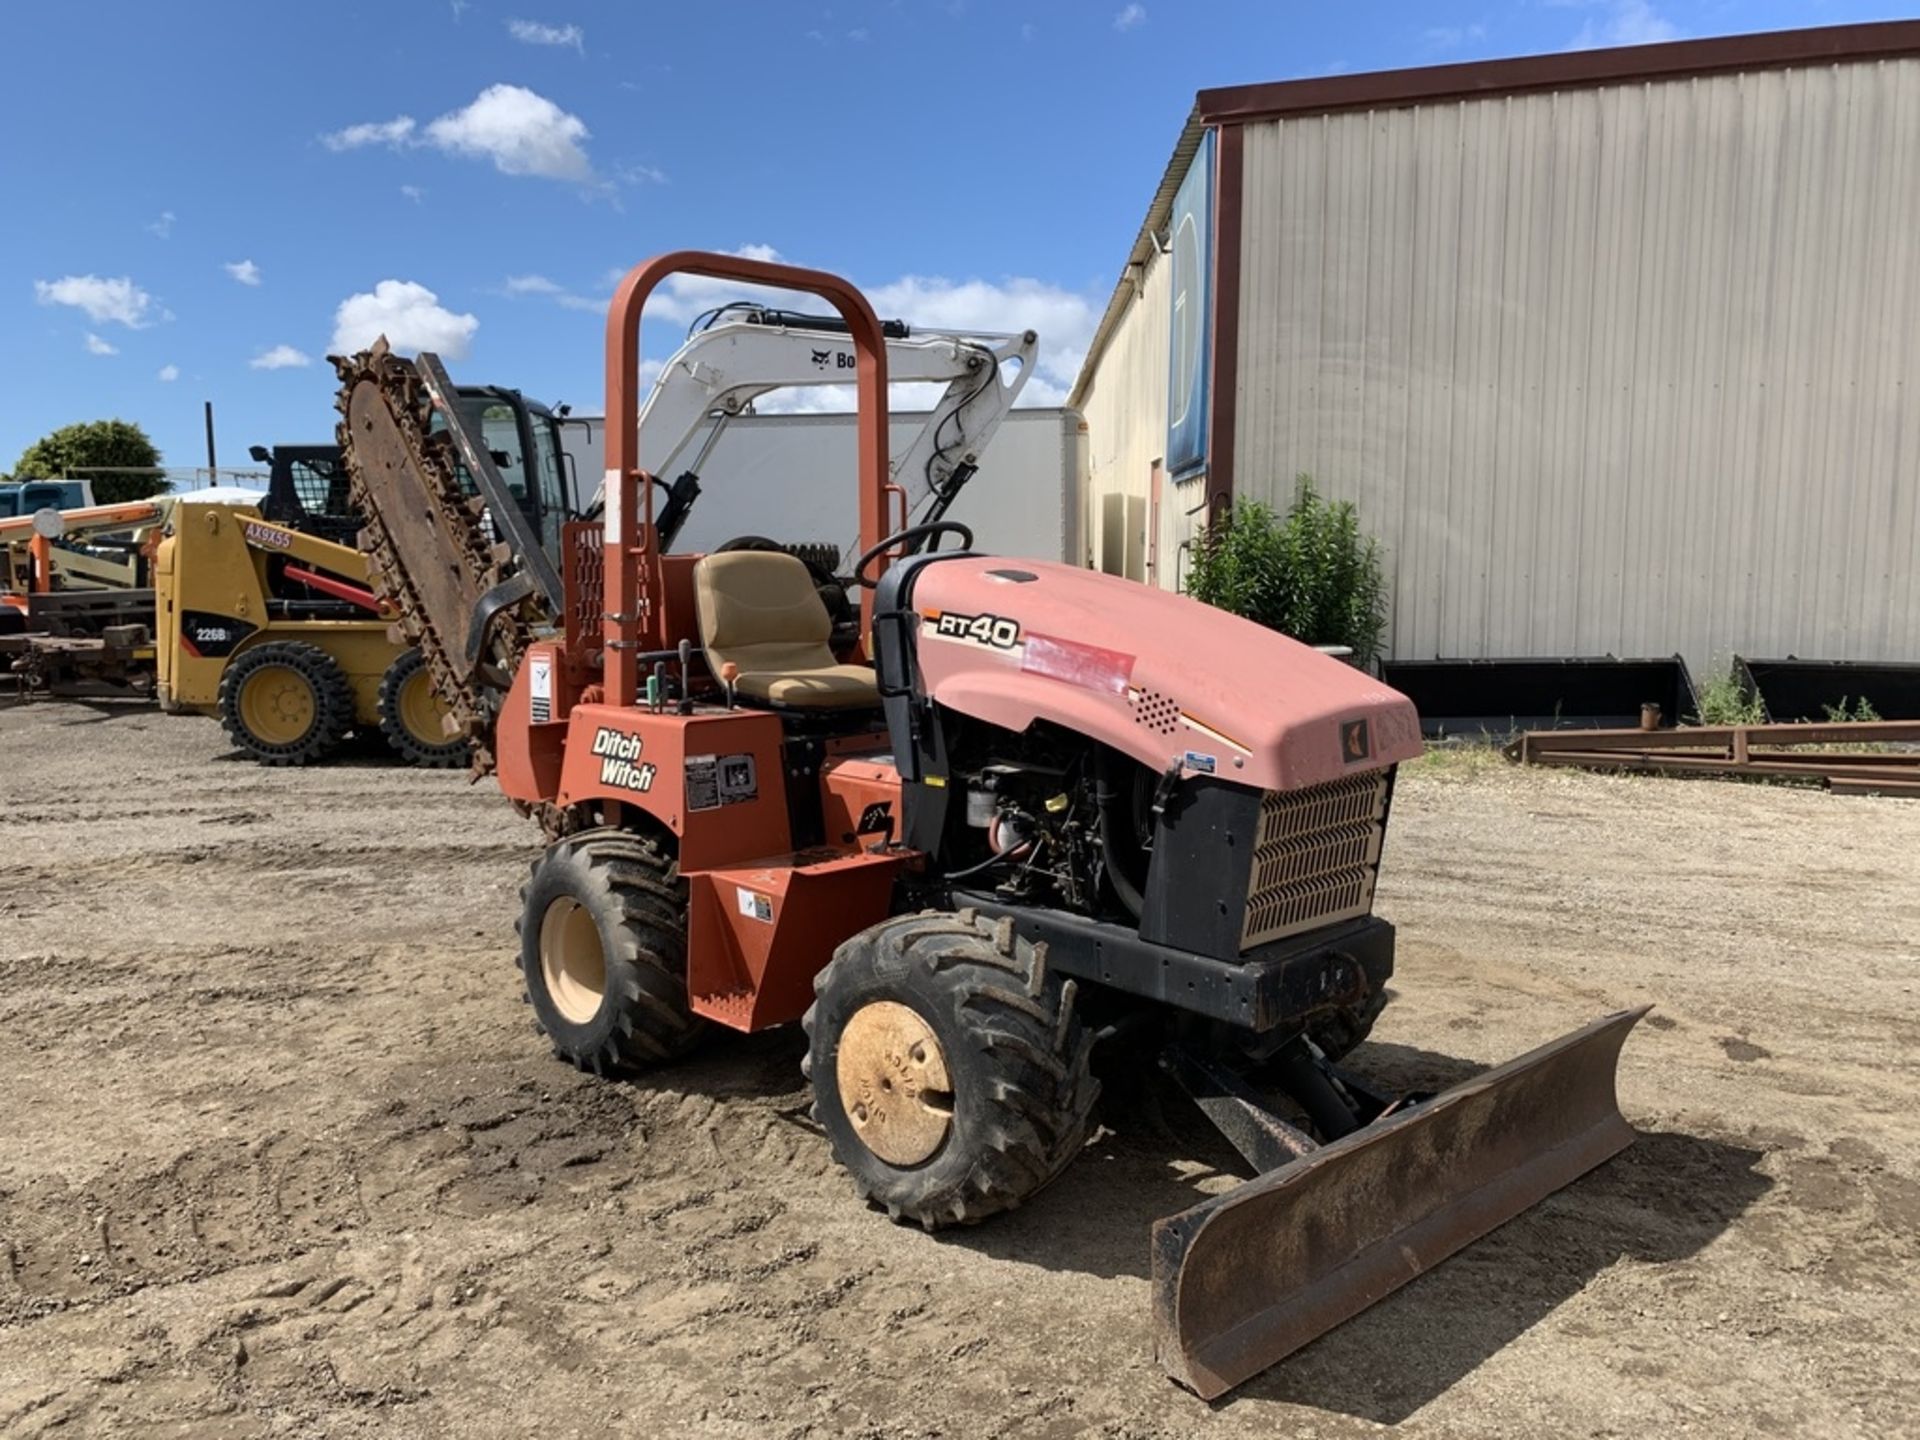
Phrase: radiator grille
(1316, 857)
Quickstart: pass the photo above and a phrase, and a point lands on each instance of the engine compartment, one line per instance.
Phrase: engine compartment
(1045, 817)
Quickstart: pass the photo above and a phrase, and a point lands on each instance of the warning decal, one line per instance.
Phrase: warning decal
(715, 780)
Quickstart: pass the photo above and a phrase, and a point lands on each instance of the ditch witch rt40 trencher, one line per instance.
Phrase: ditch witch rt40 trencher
(1013, 811)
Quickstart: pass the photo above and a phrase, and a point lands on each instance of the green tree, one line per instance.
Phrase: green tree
(74, 450)
(1309, 573)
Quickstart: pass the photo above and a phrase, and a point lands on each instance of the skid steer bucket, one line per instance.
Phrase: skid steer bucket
(1245, 1279)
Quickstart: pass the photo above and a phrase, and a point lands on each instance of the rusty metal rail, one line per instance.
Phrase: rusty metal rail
(1772, 751)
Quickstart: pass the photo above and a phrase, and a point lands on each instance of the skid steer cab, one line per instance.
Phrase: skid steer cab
(1026, 811)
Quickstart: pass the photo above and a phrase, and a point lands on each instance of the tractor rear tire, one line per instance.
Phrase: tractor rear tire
(410, 715)
(949, 1071)
(603, 951)
(286, 703)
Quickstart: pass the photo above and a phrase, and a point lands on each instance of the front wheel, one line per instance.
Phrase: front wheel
(603, 951)
(949, 1071)
(286, 702)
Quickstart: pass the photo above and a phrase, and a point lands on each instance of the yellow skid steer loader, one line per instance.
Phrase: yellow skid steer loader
(276, 632)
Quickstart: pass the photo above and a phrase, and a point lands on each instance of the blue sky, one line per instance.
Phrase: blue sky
(202, 199)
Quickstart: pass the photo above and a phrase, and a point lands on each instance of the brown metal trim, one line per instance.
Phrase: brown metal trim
(1572, 70)
(1229, 175)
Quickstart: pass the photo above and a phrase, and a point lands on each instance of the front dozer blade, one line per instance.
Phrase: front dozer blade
(1247, 1278)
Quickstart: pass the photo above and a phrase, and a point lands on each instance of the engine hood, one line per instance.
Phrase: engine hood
(1156, 675)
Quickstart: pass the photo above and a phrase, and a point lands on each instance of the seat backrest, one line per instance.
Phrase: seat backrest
(750, 598)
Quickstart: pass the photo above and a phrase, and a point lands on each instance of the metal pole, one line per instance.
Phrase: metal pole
(213, 469)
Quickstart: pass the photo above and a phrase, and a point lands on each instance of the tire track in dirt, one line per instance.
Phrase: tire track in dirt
(263, 1033)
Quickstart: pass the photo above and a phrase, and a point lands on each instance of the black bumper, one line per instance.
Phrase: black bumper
(1284, 983)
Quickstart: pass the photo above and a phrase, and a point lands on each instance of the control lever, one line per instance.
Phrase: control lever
(1163, 792)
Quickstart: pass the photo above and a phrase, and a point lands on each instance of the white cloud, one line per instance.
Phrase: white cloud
(1131, 18)
(245, 271)
(117, 300)
(1627, 22)
(1064, 320)
(408, 314)
(859, 36)
(532, 32)
(280, 357)
(1452, 37)
(163, 227)
(97, 346)
(518, 285)
(521, 132)
(168, 374)
(397, 131)
(413, 193)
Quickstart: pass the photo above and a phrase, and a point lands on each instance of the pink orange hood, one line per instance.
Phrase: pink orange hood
(1156, 675)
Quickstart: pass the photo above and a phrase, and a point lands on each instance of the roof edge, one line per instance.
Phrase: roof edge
(1677, 59)
(1159, 212)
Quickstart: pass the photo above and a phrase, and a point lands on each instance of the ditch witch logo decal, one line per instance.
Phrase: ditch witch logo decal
(618, 752)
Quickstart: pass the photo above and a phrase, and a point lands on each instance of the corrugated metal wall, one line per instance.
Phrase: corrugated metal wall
(1125, 408)
(1634, 369)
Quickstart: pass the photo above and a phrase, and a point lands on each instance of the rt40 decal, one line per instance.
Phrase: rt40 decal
(996, 631)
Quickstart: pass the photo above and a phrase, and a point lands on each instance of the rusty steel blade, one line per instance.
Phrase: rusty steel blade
(1247, 1278)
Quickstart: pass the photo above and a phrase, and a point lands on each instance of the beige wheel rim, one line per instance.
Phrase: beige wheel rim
(571, 961)
(422, 712)
(277, 704)
(894, 1084)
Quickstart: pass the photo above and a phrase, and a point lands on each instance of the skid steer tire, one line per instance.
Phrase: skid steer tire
(409, 712)
(949, 1071)
(286, 703)
(603, 952)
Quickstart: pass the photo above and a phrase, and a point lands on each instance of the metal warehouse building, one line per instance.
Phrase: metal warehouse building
(1617, 351)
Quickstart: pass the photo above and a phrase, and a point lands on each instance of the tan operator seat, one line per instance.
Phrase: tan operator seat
(759, 609)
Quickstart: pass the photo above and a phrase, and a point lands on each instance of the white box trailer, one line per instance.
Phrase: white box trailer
(790, 477)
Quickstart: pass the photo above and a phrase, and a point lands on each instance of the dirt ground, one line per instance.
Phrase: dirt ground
(281, 1155)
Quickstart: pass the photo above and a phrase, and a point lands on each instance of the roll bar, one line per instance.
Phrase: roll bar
(628, 530)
